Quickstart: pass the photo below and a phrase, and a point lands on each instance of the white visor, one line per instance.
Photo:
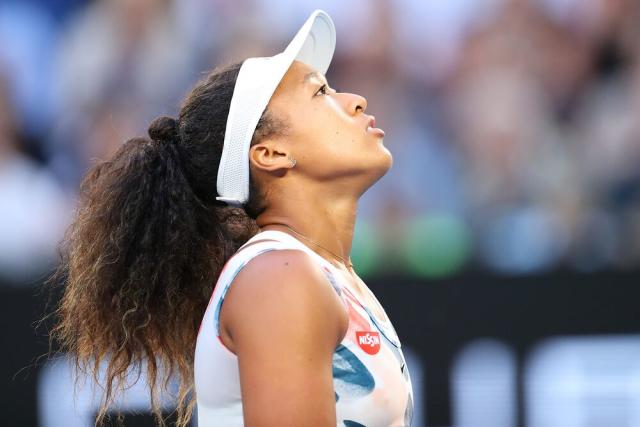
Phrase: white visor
(258, 78)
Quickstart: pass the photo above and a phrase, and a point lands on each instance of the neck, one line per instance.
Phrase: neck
(327, 221)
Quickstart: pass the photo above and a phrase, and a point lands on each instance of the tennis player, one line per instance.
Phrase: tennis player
(253, 188)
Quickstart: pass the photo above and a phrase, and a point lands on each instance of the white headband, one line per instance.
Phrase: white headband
(257, 80)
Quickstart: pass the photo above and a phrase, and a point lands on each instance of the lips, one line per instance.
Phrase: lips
(372, 122)
(371, 127)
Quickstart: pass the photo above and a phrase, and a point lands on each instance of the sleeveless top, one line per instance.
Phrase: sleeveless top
(370, 378)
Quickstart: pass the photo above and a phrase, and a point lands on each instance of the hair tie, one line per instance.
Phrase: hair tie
(164, 129)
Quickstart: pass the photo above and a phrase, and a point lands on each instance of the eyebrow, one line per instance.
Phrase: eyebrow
(312, 74)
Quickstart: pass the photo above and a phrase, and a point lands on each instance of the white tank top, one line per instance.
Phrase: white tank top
(370, 378)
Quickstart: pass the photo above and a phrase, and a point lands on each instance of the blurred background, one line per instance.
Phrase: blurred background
(504, 243)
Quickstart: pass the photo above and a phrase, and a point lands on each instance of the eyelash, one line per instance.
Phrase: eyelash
(322, 89)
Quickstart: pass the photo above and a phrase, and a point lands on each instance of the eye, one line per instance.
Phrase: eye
(323, 90)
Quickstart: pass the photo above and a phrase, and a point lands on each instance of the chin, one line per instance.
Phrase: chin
(387, 159)
(382, 165)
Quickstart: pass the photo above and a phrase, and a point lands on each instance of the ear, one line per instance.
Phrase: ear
(269, 156)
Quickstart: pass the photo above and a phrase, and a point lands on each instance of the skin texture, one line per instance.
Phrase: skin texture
(281, 317)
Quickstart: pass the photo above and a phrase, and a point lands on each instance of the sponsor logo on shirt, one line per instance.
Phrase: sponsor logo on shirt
(369, 341)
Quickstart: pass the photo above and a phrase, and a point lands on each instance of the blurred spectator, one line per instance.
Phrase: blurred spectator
(127, 53)
(27, 52)
(35, 210)
(513, 123)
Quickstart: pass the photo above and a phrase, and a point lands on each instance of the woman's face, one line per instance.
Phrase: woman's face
(328, 132)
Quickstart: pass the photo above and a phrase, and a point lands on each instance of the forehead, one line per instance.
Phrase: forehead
(298, 77)
(294, 90)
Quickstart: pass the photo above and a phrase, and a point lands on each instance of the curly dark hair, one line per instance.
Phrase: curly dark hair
(148, 241)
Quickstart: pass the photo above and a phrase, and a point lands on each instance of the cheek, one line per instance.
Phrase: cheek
(341, 131)
(328, 127)
(335, 122)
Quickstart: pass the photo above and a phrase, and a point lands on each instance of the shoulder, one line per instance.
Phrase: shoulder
(279, 288)
(288, 262)
(285, 322)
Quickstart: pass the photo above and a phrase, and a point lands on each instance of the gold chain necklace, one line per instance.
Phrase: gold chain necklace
(346, 263)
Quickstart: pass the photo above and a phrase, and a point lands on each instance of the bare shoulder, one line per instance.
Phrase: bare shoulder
(278, 288)
(284, 321)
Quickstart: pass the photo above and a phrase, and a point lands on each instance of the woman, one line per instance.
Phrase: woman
(299, 340)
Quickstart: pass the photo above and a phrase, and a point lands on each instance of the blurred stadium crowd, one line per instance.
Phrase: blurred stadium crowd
(514, 124)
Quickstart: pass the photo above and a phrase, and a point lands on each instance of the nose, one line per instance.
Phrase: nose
(355, 103)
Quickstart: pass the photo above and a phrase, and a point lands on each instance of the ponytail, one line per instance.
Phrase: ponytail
(140, 260)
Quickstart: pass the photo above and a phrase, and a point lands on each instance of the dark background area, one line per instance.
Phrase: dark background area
(434, 318)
